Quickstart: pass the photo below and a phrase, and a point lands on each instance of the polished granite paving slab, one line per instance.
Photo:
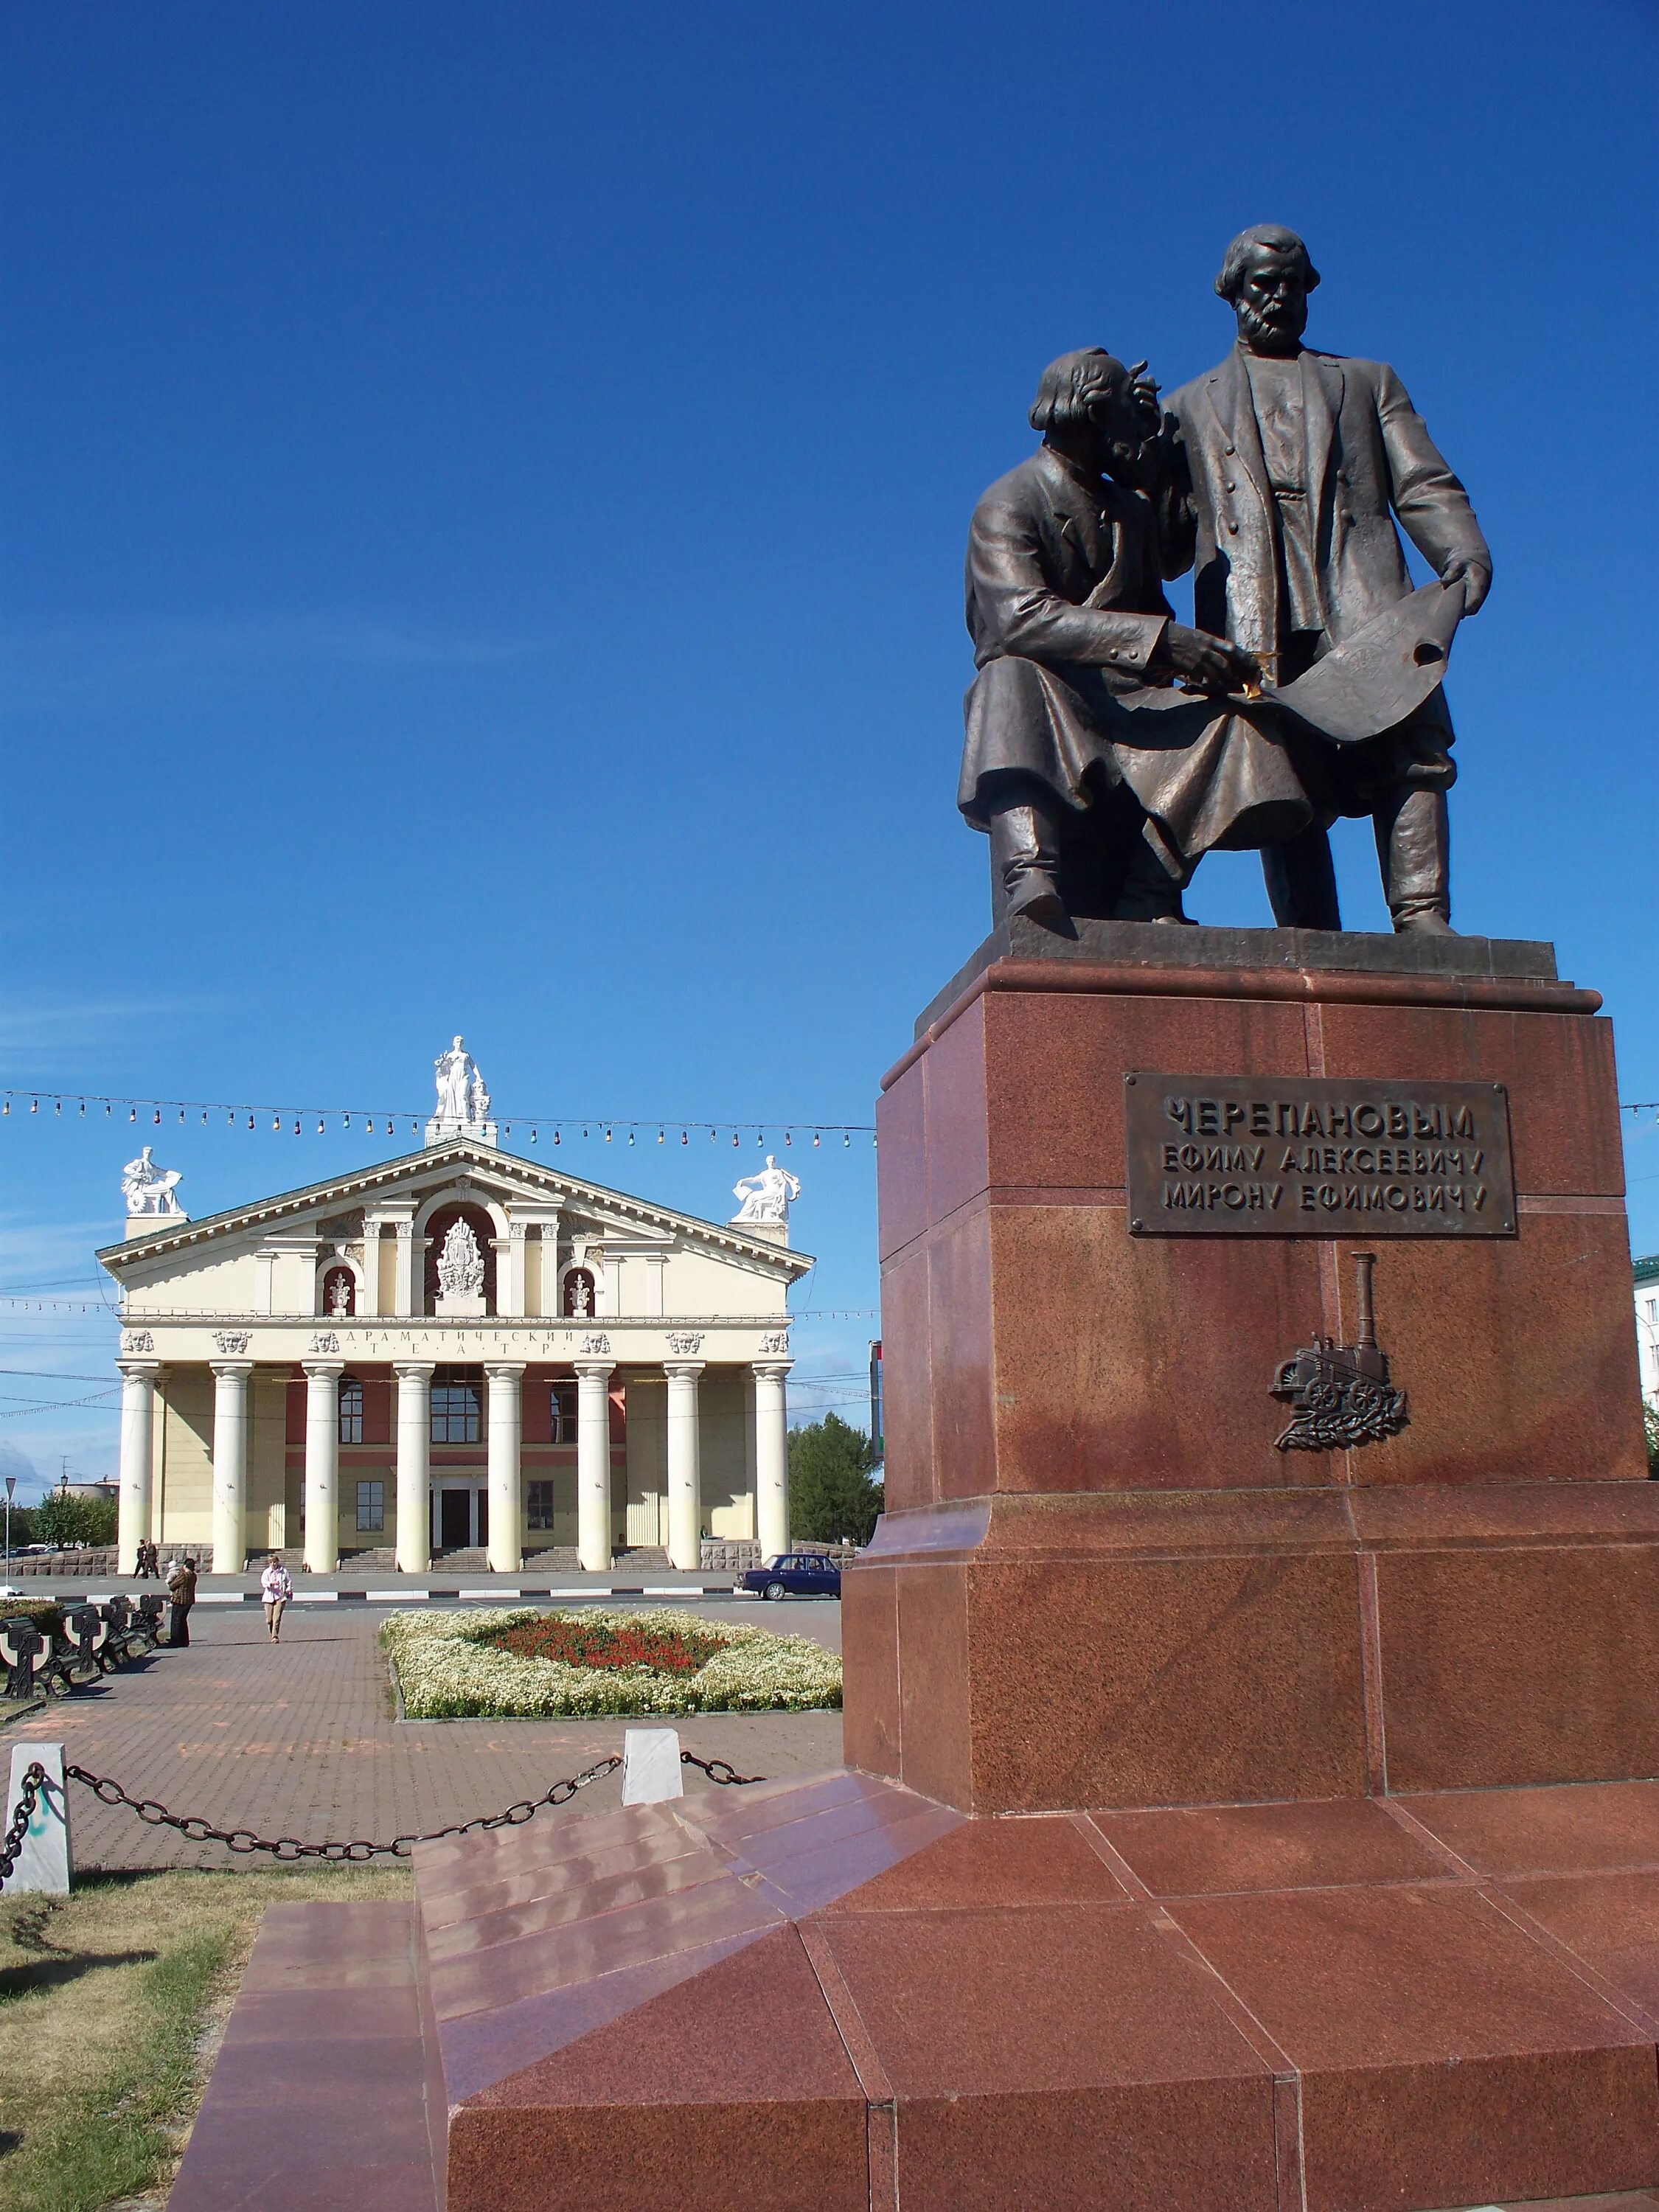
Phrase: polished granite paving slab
(833, 1993)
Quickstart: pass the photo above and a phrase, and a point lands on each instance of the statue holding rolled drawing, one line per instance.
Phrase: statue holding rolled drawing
(1109, 746)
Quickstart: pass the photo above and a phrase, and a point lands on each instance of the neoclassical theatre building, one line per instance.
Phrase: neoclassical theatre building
(453, 1350)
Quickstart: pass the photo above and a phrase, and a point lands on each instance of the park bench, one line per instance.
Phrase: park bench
(147, 1621)
(84, 1630)
(34, 1663)
(123, 1639)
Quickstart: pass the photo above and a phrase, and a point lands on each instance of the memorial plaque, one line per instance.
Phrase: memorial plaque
(1286, 1156)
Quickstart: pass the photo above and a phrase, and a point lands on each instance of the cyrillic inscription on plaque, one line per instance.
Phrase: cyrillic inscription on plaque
(1277, 1155)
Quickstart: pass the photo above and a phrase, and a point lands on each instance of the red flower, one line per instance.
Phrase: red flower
(593, 1643)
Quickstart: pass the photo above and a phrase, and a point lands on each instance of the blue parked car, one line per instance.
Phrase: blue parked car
(795, 1574)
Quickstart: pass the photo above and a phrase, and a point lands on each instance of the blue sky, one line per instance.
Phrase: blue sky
(482, 497)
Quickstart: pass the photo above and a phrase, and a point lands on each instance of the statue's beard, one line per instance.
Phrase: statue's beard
(1266, 334)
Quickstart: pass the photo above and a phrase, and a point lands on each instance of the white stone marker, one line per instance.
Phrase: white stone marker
(651, 1766)
(46, 1862)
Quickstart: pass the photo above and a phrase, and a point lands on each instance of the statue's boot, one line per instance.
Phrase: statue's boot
(1150, 892)
(1025, 862)
(1413, 845)
(1301, 881)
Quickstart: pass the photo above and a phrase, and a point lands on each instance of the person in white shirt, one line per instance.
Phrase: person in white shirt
(276, 1587)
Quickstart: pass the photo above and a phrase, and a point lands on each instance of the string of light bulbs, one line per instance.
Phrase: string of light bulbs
(296, 1119)
(94, 1306)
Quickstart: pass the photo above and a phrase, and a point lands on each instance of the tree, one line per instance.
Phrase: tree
(831, 1493)
(1650, 1423)
(60, 1519)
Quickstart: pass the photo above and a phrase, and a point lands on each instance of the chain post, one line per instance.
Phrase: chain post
(11, 1846)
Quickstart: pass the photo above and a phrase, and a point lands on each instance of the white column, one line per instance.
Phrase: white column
(506, 1470)
(230, 1464)
(137, 1456)
(547, 1301)
(509, 1269)
(406, 1301)
(771, 1457)
(684, 1463)
(593, 1464)
(414, 1466)
(322, 1465)
(368, 1302)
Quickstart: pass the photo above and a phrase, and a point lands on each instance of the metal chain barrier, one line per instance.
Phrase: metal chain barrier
(719, 1770)
(34, 1783)
(287, 1850)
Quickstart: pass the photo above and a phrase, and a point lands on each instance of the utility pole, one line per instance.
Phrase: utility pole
(11, 1492)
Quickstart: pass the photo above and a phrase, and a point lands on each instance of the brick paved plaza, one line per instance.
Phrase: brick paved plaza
(301, 1738)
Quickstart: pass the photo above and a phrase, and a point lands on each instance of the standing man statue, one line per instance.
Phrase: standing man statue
(1288, 470)
(1067, 610)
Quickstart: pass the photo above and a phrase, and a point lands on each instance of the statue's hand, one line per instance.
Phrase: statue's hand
(1143, 398)
(1209, 663)
(1475, 579)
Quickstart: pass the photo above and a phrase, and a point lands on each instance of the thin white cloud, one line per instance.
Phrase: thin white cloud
(81, 665)
(25, 1029)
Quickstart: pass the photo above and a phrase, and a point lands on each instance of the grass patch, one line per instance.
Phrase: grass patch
(111, 2002)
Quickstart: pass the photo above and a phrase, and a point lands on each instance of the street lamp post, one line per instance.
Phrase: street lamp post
(11, 1492)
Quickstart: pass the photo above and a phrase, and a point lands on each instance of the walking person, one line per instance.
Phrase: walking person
(181, 1591)
(277, 1586)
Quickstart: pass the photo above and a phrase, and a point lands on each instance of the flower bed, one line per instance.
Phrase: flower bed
(580, 1640)
(649, 1661)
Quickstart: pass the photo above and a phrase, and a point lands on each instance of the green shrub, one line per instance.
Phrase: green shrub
(39, 1612)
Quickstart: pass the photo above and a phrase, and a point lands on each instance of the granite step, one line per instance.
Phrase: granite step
(317, 2096)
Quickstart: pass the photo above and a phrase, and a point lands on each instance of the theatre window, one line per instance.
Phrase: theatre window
(540, 1498)
(457, 1404)
(351, 1410)
(371, 1506)
(561, 1414)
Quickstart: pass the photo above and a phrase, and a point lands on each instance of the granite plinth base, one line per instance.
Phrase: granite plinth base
(1020, 1653)
(1098, 1578)
(834, 1995)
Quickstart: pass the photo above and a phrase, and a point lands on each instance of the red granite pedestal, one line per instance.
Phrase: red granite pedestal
(1098, 1582)
(1225, 1829)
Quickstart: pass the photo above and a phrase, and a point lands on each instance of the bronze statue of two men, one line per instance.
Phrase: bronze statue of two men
(1108, 747)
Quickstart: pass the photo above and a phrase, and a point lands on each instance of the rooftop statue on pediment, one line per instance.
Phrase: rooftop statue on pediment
(767, 1196)
(463, 1102)
(149, 1189)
